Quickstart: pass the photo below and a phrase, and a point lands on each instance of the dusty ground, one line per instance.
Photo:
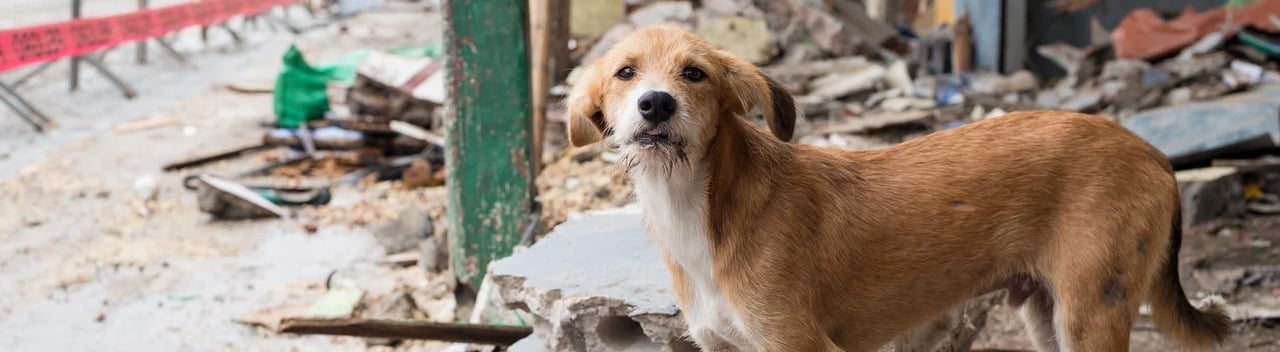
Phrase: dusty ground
(87, 263)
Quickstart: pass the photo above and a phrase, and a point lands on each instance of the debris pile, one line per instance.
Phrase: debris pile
(865, 84)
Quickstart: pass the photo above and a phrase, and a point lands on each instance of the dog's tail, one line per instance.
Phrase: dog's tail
(1176, 316)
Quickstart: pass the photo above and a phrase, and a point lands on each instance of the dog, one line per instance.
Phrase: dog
(776, 246)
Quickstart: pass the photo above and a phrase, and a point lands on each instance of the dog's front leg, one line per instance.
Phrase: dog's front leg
(708, 340)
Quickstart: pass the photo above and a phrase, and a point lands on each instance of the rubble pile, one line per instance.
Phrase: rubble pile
(864, 84)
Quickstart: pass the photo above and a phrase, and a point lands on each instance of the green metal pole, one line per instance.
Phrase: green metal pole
(488, 164)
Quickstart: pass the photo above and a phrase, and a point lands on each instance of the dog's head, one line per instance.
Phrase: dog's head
(659, 96)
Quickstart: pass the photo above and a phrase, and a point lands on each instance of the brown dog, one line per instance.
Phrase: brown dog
(774, 246)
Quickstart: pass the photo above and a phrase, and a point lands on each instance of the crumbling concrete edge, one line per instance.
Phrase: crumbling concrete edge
(591, 322)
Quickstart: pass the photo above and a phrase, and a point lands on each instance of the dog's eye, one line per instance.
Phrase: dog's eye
(693, 74)
(625, 73)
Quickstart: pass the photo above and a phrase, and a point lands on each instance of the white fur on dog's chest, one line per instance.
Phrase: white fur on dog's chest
(675, 209)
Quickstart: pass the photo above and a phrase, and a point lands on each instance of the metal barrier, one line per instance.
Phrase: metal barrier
(85, 40)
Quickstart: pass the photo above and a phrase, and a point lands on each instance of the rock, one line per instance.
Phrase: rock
(434, 254)
(747, 38)
(837, 85)
(1210, 196)
(397, 305)
(145, 187)
(677, 13)
(420, 174)
(1178, 96)
(404, 232)
(339, 302)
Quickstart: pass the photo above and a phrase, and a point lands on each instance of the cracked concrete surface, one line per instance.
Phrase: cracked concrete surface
(598, 283)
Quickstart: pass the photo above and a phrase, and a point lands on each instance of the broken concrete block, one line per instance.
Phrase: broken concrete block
(746, 38)
(837, 85)
(1124, 69)
(404, 233)
(664, 12)
(1210, 196)
(1083, 101)
(595, 283)
(1199, 132)
(898, 77)
(829, 32)
(598, 283)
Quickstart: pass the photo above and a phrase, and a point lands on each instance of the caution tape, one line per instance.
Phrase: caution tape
(24, 46)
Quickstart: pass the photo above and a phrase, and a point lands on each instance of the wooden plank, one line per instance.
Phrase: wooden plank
(558, 40)
(408, 330)
(488, 158)
(539, 43)
(1014, 47)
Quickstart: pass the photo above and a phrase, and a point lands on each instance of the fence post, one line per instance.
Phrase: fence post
(142, 44)
(75, 60)
(489, 168)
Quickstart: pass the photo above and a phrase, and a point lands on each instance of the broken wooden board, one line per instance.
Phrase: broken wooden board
(875, 121)
(407, 330)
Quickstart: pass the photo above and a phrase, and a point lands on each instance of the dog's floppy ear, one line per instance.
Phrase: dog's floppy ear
(586, 119)
(749, 88)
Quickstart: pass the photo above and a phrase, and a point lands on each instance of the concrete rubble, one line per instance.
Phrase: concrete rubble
(597, 283)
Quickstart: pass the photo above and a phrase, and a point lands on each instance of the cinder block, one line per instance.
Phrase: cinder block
(1211, 196)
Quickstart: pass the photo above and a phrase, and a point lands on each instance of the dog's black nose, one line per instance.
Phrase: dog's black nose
(657, 106)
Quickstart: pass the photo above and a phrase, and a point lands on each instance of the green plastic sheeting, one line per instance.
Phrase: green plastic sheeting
(300, 87)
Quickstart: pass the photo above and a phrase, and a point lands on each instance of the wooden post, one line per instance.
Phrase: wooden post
(548, 40)
(539, 43)
(488, 163)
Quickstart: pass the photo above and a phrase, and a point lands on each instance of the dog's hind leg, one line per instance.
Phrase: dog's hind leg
(1097, 287)
(1037, 315)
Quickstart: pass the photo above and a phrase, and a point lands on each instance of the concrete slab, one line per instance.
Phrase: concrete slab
(1198, 132)
(595, 283)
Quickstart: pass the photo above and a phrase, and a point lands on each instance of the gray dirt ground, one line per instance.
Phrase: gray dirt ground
(87, 265)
